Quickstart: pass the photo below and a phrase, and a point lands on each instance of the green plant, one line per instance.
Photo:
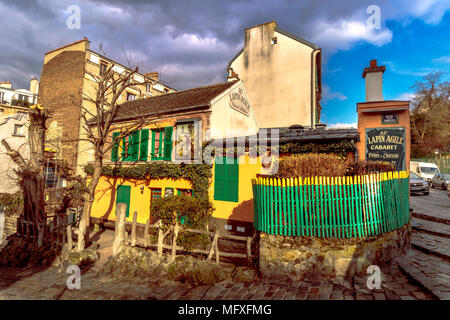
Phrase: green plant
(312, 164)
(365, 167)
(11, 203)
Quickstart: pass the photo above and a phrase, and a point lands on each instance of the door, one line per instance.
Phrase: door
(123, 196)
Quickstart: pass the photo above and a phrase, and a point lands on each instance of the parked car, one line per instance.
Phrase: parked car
(425, 170)
(441, 180)
(418, 184)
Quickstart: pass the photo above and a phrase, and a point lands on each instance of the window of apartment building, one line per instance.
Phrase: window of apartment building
(131, 148)
(185, 141)
(2, 97)
(130, 96)
(162, 144)
(18, 130)
(226, 179)
(149, 87)
(103, 67)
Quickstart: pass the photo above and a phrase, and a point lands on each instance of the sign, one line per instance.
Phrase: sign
(386, 144)
(389, 118)
(238, 101)
(168, 192)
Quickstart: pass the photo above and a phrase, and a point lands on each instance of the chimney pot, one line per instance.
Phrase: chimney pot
(373, 63)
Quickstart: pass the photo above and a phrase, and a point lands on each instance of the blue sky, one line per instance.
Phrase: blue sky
(191, 42)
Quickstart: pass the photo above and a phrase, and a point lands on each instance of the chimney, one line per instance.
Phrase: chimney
(374, 81)
(34, 85)
(152, 75)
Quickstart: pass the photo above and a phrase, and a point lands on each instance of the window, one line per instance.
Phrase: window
(2, 98)
(226, 179)
(274, 40)
(149, 87)
(185, 192)
(162, 144)
(131, 148)
(185, 141)
(18, 130)
(130, 96)
(103, 67)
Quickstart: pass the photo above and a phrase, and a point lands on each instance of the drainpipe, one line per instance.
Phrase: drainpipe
(312, 87)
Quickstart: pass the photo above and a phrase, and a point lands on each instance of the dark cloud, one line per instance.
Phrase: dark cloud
(191, 42)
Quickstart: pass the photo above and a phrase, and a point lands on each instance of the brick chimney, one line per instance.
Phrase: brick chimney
(34, 85)
(374, 81)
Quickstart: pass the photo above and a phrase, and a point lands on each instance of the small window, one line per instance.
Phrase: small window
(18, 130)
(130, 96)
(185, 192)
(274, 40)
(162, 144)
(149, 87)
(103, 67)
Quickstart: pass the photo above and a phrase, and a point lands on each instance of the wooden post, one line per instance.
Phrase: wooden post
(120, 227)
(216, 249)
(147, 226)
(213, 245)
(174, 242)
(133, 229)
(41, 234)
(249, 249)
(69, 237)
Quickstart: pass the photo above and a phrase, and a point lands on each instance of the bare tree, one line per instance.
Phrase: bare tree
(31, 171)
(98, 125)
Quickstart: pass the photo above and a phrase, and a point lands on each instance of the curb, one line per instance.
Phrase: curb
(430, 218)
(419, 277)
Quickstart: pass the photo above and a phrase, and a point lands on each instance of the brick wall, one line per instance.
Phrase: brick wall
(60, 89)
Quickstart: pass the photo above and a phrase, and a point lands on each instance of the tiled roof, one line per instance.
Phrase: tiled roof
(172, 102)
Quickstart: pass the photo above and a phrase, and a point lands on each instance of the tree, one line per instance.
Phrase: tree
(31, 171)
(430, 116)
(99, 121)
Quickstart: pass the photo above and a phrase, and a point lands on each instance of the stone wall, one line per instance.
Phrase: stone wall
(283, 258)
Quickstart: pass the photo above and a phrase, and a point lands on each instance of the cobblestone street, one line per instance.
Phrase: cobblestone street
(422, 274)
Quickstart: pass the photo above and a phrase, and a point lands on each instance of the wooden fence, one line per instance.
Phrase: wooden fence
(339, 207)
(122, 237)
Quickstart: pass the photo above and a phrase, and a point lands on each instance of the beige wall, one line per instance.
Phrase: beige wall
(277, 77)
(228, 122)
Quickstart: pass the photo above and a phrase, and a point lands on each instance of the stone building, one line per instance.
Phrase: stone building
(66, 86)
(18, 97)
(282, 75)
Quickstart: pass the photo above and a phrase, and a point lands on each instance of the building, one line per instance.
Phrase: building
(282, 75)
(66, 87)
(18, 97)
(383, 125)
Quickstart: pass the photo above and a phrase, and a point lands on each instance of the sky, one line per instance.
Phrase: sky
(191, 42)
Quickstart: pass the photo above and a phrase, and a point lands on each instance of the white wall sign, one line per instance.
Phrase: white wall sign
(239, 102)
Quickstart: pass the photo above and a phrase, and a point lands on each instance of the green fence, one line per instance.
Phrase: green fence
(336, 207)
(443, 164)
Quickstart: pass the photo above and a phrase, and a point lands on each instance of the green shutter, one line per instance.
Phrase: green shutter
(123, 153)
(226, 181)
(168, 143)
(115, 148)
(154, 155)
(134, 148)
(144, 145)
(123, 196)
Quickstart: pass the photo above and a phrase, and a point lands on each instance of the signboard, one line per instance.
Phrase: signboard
(239, 102)
(386, 144)
(389, 118)
(168, 192)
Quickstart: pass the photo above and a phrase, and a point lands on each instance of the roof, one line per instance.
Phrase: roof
(67, 45)
(287, 134)
(172, 102)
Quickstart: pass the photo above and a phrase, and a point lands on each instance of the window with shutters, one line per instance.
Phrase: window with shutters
(131, 148)
(162, 144)
(226, 179)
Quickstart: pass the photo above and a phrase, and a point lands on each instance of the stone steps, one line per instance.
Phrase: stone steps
(431, 272)
(431, 227)
(431, 244)
(431, 217)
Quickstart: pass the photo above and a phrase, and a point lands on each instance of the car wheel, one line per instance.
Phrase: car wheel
(426, 193)
(432, 185)
(444, 186)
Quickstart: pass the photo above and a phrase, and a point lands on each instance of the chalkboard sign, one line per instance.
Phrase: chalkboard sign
(386, 144)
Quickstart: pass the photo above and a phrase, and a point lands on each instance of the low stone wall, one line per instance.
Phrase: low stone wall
(283, 258)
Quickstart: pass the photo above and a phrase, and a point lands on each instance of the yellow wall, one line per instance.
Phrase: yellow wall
(105, 196)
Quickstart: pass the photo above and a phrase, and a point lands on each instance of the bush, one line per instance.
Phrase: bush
(11, 203)
(312, 164)
(194, 213)
(365, 167)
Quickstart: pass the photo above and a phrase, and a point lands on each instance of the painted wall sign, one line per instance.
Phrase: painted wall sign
(238, 101)
(389, 118)
(386, 144)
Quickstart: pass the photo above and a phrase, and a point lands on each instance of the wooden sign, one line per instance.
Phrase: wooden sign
(386, 144)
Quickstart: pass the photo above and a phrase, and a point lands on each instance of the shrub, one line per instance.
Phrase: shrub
(365, 167)
(11, 203)
(312, 164)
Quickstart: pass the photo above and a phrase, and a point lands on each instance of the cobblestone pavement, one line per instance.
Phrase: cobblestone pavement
(48, 284)
(435, 206)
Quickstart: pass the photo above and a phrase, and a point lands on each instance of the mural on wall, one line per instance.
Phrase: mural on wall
(386, 144)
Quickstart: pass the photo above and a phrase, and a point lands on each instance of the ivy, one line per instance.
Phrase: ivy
(340, 148)
(198, 174)
(11, 204)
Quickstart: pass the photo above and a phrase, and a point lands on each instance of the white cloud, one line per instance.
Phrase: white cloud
(342, 125)
(343, 34)
(443, 59)
(405, 96)
(327, 95)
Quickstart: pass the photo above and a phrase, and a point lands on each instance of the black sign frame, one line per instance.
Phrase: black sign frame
(386, 144)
